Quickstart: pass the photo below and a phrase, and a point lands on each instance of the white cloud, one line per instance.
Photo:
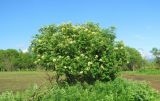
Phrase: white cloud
(145, 54)
(24, 50)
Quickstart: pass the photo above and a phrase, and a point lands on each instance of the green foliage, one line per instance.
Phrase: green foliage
(135, 59)
(7, 59)
(149, 71)
(117, 90)
(25, 61)
(145, 71)
(83, 52)
(11, 60)
(156, 53)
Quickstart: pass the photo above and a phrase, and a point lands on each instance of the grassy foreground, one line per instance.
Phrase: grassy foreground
(19, 81)
(144, 72)
(14, 86)
(152, 76)
(117, 90)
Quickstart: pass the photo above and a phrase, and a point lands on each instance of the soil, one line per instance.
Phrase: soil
(154, 80)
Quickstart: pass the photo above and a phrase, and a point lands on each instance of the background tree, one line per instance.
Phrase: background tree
(7, 59)
(156, 53)
(83, 52)
(135, 59)
(12, 59)
(25, 61)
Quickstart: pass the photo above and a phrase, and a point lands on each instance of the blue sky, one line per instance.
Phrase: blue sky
(137, 21)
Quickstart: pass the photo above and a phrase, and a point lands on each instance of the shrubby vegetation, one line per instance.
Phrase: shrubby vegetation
(156, 53)
(88, 57)
(152, 71)
(83, 52)
(13, 60)
(117, 90)
(136, 61)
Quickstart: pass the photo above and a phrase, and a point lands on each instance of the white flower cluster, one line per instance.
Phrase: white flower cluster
(73, 35)
(39, 41)
(81, 72)
(116, 48)
(96, 56)
(68, 57)
(35, 62)
(71, 42)
(43, 57)
(38, 56)
(54, 60)
(102, 66)
(86, 57)
(87, 69)
(93, 33)
(82, 55)
(121, 47)
(59, 57)
(100, 60)
(65, 67)
(63, 29)
(39, 60)
(90, 63)
(77, 57)
(86, 30)
(33, 49)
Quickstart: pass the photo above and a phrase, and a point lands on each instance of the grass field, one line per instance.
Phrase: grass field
(151, 76)
(117, 90)
(144, 72)
(18, 81)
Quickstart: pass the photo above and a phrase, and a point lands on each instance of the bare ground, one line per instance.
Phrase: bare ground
(154, 80)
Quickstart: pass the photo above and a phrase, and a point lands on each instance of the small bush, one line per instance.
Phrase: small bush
(117, 90)
(80, 52)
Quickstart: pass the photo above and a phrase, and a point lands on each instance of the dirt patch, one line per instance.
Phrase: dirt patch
(154, 80)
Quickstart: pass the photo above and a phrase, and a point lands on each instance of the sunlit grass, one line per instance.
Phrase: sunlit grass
(19, 81)
(144, 71)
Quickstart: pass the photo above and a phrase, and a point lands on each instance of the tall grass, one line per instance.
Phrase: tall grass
(117, 90)
(148, 71)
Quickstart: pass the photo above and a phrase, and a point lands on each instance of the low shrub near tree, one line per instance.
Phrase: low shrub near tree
(83, 52)
(117, 90)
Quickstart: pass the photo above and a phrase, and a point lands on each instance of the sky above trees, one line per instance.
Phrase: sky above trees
(137, 21)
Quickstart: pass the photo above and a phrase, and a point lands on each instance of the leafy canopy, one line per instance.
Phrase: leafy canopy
(83, 52)
(11, 60)
(135, 59)
(156, 53)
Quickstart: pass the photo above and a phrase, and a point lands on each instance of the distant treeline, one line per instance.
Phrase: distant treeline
(14, 60)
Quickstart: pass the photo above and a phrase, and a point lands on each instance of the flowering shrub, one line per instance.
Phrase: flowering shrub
(83, 52)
